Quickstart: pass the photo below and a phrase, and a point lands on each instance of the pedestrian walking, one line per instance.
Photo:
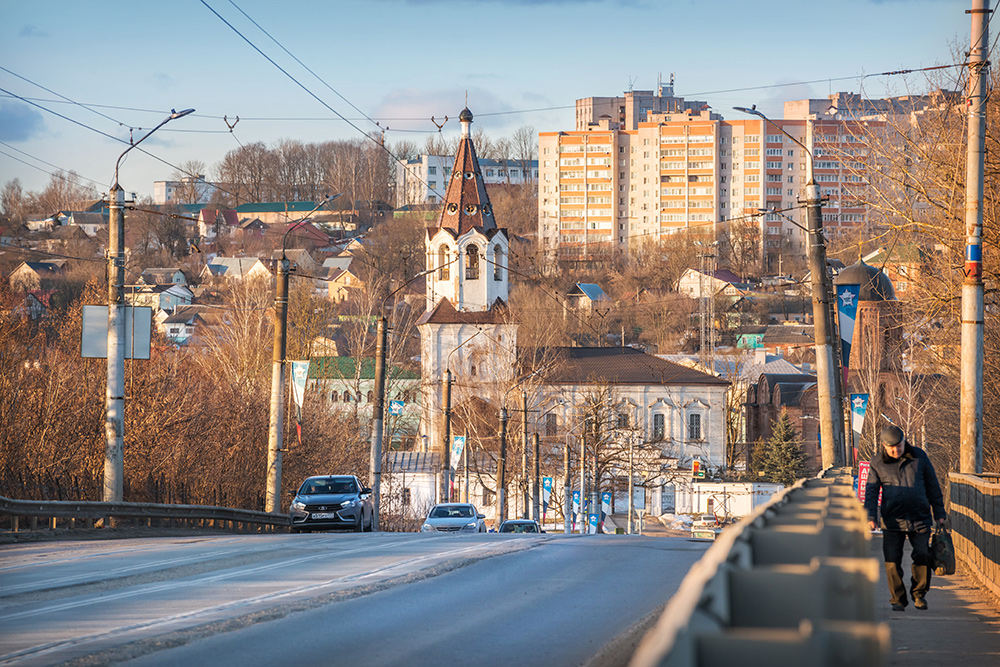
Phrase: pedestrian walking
(910, 496)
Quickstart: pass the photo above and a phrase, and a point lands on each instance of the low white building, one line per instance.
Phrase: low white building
(424, 179)
(723, 499)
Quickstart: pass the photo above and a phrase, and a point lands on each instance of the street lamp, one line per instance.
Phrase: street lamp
(828, 388)
(275, 435)
(114, 395)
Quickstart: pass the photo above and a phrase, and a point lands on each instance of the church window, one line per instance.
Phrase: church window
(347, 396)
(444, 272)
(550, 424)
(497, 263)
(472, 370)
(472, 263)
(452, 208)
(371, 396)
(470, 209)
(334, 397)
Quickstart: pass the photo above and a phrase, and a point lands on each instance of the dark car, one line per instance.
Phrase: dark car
(520, 526)
(331, 501)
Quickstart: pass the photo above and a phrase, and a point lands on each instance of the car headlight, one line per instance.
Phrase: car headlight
(470, 526)
(350, 503)
(298, 505)
(427, 528)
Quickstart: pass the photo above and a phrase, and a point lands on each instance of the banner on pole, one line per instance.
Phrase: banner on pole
(847, 311)
(576, 507)
(300, 375)
(457, 445)
(859, 406)
(605, 506)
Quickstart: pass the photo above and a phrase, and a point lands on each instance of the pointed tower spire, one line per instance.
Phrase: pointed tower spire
(466, 204)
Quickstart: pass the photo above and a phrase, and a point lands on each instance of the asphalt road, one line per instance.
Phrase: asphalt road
(332, 599)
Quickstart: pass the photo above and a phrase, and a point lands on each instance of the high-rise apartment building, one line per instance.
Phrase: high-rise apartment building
(608, 187)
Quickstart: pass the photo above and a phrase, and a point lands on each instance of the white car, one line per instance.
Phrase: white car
(454, 518)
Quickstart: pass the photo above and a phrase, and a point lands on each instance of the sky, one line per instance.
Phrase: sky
(78, 78)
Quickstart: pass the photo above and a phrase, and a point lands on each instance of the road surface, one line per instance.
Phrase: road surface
(332, 599)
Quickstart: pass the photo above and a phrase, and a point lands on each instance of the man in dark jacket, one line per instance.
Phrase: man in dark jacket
(910, 494)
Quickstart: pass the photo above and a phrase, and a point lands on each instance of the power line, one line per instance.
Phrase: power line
(66, 172)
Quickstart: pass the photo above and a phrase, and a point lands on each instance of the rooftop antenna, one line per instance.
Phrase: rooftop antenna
(631, 82)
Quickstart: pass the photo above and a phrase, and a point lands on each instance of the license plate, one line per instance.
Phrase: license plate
(323, 515)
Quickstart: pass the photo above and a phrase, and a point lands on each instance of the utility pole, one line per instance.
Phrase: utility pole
(973, 313)
(378, 417)
(114, 393)
(114, 397)
(276, 427)
(631, 481)
(446, 491)
(272, 499)
(501, 470)
(536, 503)
(567, 489)
(524, 455)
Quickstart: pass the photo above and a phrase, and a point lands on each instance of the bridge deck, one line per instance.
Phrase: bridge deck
(960, 626)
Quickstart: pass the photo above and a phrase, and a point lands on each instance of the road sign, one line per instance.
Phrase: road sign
(396, 408)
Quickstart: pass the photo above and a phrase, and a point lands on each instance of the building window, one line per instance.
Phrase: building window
(497, 263)
(488, 497)
(406, 496)
(694, 426)
(371, 396)
(550, 424)
(659, 426)
(347, 396)
(472, 263)
(444, 271)
(334, 397)
(622, 421)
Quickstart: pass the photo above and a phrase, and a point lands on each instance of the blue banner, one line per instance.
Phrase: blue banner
(546, 494)
(847, 311)
(859, 406)
(605, 506)
(457, 445)
(592, 519)
(300, 373)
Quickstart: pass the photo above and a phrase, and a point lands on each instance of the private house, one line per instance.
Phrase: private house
(180, 327)
(160, 297)
(30, 276)
(215, 222)
(587, 298)
(163, 276)
(694, 283)
(234, 268)
(342, 284)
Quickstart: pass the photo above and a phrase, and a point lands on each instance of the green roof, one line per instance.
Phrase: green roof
(277, 207)
(344, 368)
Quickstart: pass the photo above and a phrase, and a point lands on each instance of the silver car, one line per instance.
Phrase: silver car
(454, 518)
(331, 501)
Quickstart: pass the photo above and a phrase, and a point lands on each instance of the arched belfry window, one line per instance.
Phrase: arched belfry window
(497, 263)
(444, 272)
(472, 263)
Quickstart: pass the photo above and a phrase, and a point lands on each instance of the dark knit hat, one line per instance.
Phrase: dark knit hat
(891, 435)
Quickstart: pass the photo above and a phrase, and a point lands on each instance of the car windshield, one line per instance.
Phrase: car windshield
(518, 528)
(321, 486)
(451, 513)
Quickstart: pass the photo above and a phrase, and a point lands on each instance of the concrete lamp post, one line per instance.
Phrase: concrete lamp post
(114, 396)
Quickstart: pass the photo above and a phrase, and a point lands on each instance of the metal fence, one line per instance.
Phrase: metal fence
(974, 512)
(53, 514)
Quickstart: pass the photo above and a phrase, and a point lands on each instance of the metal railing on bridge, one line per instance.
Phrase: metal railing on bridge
(86, 514)
(974, 512)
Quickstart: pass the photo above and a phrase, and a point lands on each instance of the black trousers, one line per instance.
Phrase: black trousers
(892, 550)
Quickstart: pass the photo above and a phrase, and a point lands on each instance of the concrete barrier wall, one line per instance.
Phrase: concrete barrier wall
(791, 584)
(975, 521)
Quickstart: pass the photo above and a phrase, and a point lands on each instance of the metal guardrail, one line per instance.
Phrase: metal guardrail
(975, 521)
(793, 583)
(88, 513)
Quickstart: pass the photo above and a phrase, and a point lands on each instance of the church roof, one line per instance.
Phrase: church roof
(875, 285)
(466, 204)
(444, 313)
